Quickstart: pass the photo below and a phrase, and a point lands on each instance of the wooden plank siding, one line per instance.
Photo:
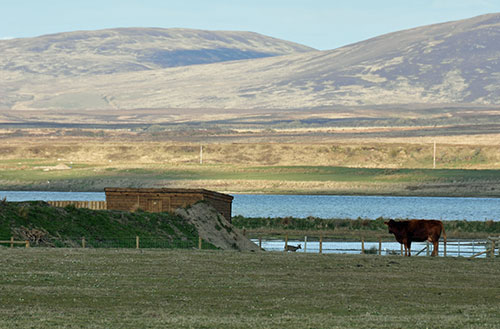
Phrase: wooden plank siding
(165, 199)
(94, 205)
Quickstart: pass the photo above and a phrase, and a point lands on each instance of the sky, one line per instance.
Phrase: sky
(321, 24)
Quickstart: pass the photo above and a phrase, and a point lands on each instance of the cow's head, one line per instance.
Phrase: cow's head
(391, 224)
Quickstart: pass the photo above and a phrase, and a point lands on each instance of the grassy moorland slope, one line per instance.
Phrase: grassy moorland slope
(104, 52)
(219, 289)
(448, 63)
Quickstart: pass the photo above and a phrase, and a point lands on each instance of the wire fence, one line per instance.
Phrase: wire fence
(113, 242)
(305, 244)
(312, 244)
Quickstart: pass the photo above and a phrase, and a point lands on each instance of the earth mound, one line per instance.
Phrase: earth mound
(215, 228)
(46, 226)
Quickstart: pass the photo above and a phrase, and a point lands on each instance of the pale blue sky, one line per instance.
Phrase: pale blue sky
(322, 24)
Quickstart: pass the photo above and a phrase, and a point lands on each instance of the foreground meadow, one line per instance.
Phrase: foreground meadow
(111, 288)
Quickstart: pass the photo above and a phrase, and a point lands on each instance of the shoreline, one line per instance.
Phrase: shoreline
(461, 191)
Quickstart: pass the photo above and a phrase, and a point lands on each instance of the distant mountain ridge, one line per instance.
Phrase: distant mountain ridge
(450, 63)
(135, 49)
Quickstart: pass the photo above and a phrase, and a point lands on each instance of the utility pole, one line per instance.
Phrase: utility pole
(434, 158)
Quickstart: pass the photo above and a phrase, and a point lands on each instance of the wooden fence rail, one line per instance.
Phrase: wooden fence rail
(12, 242)
(94, 205)
(486, 247)
(121, 242)
(491, 251)
(321, 244)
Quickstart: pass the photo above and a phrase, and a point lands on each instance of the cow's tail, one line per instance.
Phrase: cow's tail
(444, 237)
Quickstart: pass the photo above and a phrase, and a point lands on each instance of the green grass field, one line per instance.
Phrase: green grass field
(32, 172)
(256, 179)
(352, 167)
(127, 288)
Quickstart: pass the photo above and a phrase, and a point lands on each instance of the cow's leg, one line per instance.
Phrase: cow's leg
(436, 247)
(409, 248)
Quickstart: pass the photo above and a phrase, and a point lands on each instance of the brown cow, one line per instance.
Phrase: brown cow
(417, 230)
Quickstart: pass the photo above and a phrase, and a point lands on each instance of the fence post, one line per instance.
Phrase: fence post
(260, 242)
(286, 241)
(363, 246)
(199, 242)
(444, 246)
(12, 242)
(321, 244)
(427, 248)
(380, 246)
(136, 242)
(27, 243)
(305, 243)
(492, 248)
(401, 250)
(83, 242)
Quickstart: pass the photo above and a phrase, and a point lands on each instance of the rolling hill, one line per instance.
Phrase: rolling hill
(84, 53)
(449, 64)
(48, 60)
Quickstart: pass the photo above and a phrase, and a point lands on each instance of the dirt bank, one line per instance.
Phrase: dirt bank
(214, 228)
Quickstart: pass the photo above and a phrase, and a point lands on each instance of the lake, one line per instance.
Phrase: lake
(323, 206)
(366, 207)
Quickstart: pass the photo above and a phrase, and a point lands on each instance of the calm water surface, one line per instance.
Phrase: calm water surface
(368, 207)
(323, 206)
